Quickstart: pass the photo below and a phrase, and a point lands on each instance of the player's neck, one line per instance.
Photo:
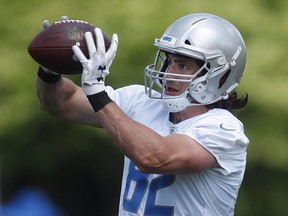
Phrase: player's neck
(187, 113)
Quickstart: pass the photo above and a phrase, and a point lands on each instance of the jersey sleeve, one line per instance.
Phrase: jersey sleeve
(126, 97)
(224, 138)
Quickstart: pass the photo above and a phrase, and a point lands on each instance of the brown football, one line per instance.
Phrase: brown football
(52, 47)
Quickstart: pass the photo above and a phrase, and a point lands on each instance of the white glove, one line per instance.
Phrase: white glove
(46, 23)
(96, 68)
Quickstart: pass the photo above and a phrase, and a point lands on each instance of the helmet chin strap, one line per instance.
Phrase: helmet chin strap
(175, 105)
(178, 104)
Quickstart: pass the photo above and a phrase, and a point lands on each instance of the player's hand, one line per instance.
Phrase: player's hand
(45, 25)
(96, 68)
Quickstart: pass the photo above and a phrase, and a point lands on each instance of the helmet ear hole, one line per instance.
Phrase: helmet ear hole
(223, 79)
(187, 42)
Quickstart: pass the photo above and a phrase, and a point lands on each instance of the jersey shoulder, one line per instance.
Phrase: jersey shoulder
(132, 99)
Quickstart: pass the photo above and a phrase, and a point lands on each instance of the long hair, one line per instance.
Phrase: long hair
(233, 102)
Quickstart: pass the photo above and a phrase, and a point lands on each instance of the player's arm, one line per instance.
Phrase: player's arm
(147, 149)
(60, 97)
(63, 99)
(150, 151)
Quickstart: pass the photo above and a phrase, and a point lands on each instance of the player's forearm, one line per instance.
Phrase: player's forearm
(65, 100)
(52, 96)
(138, 142)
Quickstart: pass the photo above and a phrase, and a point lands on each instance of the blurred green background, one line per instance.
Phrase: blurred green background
(77, 166)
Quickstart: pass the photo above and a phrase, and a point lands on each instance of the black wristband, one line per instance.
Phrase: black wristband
(99, 100)
(48, 77)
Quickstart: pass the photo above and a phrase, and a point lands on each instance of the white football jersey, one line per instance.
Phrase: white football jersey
(212, 192)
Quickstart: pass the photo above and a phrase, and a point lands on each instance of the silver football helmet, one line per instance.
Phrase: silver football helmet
(205, 37)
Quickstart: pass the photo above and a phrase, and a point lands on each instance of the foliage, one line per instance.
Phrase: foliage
(39, 150)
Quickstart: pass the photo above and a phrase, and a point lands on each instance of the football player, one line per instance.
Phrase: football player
(185, 151)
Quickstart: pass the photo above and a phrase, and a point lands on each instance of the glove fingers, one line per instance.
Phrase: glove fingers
(90, 43)
(111, 53)
(100, 41)
(79, 54)
(63, 18)
(45, 24)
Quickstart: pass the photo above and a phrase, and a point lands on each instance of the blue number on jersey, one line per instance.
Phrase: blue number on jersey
(133, 199)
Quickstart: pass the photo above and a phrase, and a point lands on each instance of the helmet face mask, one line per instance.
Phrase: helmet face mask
(209, 39)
